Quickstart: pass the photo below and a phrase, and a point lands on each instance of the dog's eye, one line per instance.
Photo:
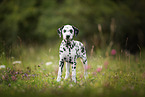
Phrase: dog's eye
(64, 31)
(71, 31)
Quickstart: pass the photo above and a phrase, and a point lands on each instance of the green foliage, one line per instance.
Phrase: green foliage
(37, 21)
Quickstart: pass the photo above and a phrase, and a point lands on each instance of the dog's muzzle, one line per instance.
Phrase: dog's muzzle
(67, 37)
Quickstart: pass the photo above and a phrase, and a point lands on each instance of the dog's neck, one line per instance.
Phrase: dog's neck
(68, 43)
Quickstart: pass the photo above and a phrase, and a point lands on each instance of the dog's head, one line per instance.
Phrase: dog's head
(68, 32)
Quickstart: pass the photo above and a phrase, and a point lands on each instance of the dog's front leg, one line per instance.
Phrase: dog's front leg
(61, 64)
(67, 70)
(74, 72)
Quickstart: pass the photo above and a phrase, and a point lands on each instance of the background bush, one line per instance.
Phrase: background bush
(36, 21)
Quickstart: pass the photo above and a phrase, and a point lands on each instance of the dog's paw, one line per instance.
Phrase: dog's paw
(85, 75)
(66, 77)
(58, 79)
(74, 79)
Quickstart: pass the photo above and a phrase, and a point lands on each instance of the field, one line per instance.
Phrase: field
(32, 71)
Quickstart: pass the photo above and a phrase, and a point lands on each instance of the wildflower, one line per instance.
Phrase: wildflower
(33, 75)
(26, 74)
(113, 52)
(59, 86)
(106, 64)
(87, 67)
(21, 72)
(17, 62)
(99, 69)
(2, 66)
(13, 78)
(48, 63)
(71, 85)
(38, 65)
(16, 72)
(9, 85)
(94, 73)
(22, 76)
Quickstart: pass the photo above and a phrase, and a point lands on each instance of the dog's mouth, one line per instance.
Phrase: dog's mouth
(68, 38)
(67, 41)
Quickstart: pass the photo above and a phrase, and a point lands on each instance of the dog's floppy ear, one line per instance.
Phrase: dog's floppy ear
(76, 30)
(59, 31)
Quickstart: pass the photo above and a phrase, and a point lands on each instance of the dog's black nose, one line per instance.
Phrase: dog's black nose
(67, 37)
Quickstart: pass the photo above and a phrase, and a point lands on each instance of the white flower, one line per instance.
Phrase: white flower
(71, 85)
(2, 66)
(17, 62)
(48, 63)
(99, 66)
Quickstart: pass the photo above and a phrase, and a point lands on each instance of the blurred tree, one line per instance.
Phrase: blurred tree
(130, 20)
(122, 22)
(18, 18)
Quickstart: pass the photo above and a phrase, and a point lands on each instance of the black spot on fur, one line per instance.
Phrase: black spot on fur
(69, 59)
(83, 49)
(85, 61)
(64, 49)
(61, 51)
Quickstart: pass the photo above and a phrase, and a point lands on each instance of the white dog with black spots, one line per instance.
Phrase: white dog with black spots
(69, 51)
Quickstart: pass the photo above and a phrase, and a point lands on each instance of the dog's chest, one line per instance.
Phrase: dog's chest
(69, 54)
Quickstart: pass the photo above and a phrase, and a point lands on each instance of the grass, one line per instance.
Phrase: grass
(35, 75)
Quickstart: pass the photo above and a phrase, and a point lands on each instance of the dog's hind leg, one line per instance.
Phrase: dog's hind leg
(84, 60)
(67, 70)
(85, 67)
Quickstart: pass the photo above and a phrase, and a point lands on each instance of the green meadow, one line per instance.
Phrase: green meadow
(34, 71)
(112, 32)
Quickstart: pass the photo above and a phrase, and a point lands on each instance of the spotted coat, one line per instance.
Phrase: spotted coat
(69, 51)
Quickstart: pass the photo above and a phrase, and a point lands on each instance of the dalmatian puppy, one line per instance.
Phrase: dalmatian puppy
(69, 51)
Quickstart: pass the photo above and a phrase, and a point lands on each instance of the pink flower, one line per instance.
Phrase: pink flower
(94, 73)
(113, 52)
(13, 78)
(106, 64)
(87, 67)
(99, 69)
